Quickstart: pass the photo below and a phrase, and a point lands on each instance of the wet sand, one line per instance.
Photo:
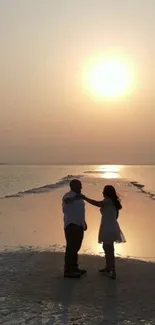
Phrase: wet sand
(33, 291)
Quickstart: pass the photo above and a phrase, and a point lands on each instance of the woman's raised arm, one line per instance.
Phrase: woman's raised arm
(98, 204)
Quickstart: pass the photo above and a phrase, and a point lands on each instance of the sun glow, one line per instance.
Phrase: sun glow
(109, 78)
(110, 172)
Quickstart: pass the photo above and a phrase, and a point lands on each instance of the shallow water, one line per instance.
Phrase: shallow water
(37, 220)
(15, 179)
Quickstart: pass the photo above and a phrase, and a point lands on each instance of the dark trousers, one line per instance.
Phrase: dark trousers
(109, 256)
(74, 237)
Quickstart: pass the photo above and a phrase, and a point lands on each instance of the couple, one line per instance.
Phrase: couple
(74, 223)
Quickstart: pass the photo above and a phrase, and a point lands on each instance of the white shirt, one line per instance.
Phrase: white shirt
(74, 212)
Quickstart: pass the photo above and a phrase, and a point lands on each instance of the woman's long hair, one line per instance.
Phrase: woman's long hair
(110, 192)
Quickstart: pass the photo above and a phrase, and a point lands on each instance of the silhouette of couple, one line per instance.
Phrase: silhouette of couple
(73, 204)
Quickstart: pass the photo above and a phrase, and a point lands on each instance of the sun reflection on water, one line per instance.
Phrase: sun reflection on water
(110, 171)
(110, 175)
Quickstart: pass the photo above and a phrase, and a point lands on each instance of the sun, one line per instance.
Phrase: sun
(109, 78)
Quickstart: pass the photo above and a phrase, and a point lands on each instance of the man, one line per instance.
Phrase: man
(74, 225)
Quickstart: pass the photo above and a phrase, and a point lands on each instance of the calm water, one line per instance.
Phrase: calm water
(14, 179)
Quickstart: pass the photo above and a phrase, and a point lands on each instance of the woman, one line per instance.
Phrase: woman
(109, 231)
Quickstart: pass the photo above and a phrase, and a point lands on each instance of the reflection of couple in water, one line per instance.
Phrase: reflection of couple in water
(75, 225)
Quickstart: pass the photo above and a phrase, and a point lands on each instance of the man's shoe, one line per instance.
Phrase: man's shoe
(112, 275)
(82, 271)
(73, 274)
(105, 270)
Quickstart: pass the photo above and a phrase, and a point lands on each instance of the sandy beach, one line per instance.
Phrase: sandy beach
(33, 290)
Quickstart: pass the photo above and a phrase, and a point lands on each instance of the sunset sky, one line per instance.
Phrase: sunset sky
(47, 112)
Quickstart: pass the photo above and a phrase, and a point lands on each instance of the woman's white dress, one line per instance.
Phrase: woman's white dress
(109, 231)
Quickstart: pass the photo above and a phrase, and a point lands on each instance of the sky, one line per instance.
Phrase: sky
(47, 113)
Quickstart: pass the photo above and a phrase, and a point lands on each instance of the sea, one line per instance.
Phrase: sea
(35, 179)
